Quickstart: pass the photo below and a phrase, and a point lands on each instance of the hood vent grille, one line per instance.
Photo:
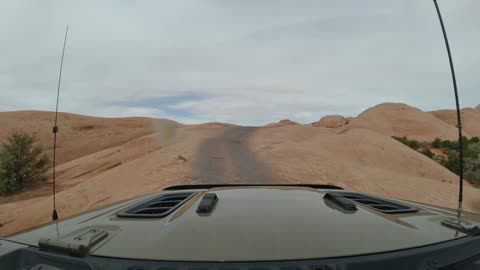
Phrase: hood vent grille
(160, 206)
(381, 205)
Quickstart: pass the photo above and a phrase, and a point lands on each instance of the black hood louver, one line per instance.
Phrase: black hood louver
(157, 207)
(378, 204)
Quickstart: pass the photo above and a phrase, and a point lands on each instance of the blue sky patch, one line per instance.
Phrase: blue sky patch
(166, 103)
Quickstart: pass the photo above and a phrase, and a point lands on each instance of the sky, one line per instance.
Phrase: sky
(246, 62)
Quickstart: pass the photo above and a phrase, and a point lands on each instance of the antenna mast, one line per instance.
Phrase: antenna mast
(459, 116)
(55, 128)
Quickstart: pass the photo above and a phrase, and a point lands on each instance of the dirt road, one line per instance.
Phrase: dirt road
(226, 158)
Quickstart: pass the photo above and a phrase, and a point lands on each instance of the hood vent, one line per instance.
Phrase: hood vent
(381, 205)
(160, 206)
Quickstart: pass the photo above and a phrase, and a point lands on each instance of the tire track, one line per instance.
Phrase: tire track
(226, 158)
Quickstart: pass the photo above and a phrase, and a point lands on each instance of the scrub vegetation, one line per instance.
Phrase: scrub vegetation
(22, 161)
(449, 157)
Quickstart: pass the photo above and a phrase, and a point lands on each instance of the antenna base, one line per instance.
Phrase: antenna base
(462, 225)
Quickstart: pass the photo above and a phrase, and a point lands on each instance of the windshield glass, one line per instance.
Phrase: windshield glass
(157, 94)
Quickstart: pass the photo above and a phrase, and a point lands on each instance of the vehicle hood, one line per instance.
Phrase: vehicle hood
(255, 224)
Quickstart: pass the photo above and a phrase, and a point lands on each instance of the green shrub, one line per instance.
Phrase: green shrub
(413, 144)
(428, 153)
(441, 160)
(466, 142)
(403, 139)
(410, 143)
(437, 143)
(425, 144)
(21, 161)
(472, 150)
(472, 170)
(453, 162)
(450, 145)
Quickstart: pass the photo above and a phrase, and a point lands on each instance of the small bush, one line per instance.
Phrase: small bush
(413, 144)
(410, 143)
(472, 170)
(466, 142)
(441, 160)
(437, 143)
(472, 150)
(450, 145)
(425, 144)
(21, 161)
(403, 139)
(428, 153)
(453, 162)
(475, 140)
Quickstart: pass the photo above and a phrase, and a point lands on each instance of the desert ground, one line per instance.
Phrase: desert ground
(104, 160)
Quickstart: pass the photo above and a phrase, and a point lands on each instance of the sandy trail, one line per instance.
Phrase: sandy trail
(226, 158)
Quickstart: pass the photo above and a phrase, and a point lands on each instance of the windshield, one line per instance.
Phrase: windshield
(157, 94)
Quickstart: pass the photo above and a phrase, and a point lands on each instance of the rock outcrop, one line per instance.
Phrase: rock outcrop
(331, 121)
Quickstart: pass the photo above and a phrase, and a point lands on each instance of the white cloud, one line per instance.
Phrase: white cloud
(252, 62)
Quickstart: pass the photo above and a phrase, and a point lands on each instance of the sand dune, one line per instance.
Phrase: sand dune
(331, 121)
(359, 159)
(135, 156)
(154, 165)
(281, 123)
(398, 119)
(79, 135)
(470, 119)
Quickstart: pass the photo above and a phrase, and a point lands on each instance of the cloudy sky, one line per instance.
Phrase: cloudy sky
(245, 61)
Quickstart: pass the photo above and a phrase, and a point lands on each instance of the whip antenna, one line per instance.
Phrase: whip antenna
(459, 116)
(55, 128)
